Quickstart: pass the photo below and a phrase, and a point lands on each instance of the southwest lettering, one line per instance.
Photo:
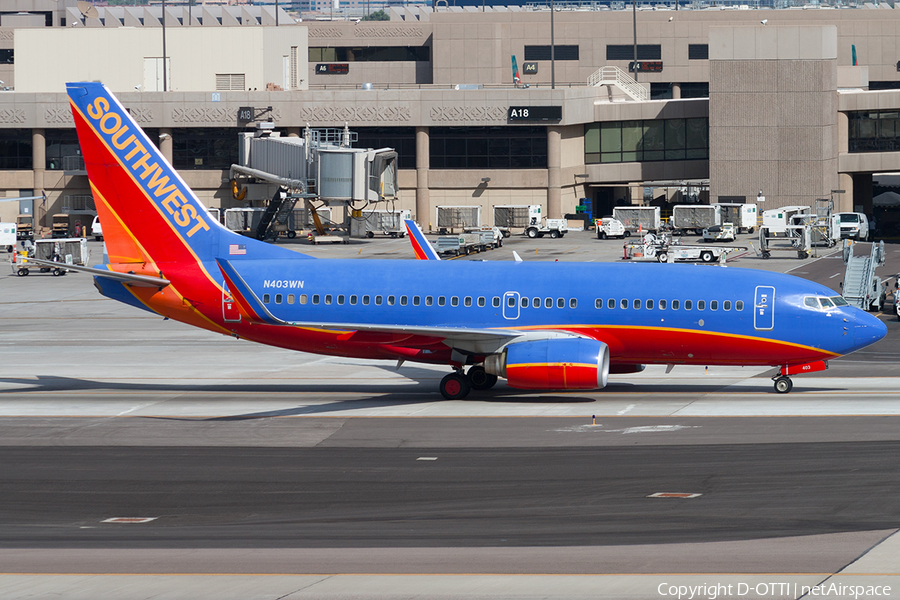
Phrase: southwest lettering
(158, 185)
(142, 162)
(201, 224)
(118, 134)
(94, 109)
(138, 147)
(150, 169)
(109, 117)
(176, 198)
(187, 213)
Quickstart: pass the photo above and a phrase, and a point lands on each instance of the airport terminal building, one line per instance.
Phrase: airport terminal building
(734, 104)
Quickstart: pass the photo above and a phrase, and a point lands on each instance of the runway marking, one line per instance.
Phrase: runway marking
(673, 495)
(833, 276)
(626, 409)
(129, 520)
(427, 458)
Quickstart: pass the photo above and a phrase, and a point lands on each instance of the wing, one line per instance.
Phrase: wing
(129, 278)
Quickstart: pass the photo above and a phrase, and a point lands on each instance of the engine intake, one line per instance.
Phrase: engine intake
(554, 364)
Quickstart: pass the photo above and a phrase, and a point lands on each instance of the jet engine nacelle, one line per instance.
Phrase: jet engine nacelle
(554, 364)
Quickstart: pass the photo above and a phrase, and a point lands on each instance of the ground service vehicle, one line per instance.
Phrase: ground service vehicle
(97, 229)
(8, 236)
(608, 227)
(641, 219)
(540, 325)
(555, 228)
(854, 225)
(720, 233)
(25, 227)
(778, 220)
(743, 216)
(696, 217)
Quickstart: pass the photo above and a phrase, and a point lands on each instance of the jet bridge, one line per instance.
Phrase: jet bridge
(320, 168)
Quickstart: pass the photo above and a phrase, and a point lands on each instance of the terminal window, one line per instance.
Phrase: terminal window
(202, 148)
(559, 52)
(488, 147)
(649, 140)
(874, 131)
(15, 149)
(698, 51)
(626, 52)
(371, 54)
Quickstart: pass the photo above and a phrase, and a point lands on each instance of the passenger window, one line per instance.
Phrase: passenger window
(365, 300)
(467, 301)
(611, 303)
(714, 305)
(649, 304)
(290, 298)
(378, 300)
(454, 301)
(675, 304)
(739, 305)
(278, 298)
(265, 298)
(548, 302)
(302, 298)
(623, 303)
(315, 299)
(536, 302)
(390, 301)
(573, 303)
(416, 300)
(636, 304)
(662, 305)
(701, 304)
(495, 301)
(524, 302)
(598, 303)
(341, 299)
(560, 303)
(327, 298)
(481, 301)
(442, 300)
(726, 305)
(429, 300)
(511, 301)
(403, 300)
(353, 300)
(688, 304)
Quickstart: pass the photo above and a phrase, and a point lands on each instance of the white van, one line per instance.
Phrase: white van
(854, 225)
(96, 230)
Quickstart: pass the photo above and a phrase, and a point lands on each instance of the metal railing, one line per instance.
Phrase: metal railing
(611, 75)
(78, 203)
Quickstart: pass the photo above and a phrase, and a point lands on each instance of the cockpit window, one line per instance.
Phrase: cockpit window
(811, 302)
(826, 303)
(839, 301)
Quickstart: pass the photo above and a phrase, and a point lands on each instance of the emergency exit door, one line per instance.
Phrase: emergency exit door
(764, 308)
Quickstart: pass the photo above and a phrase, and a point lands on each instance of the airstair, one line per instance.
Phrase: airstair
(277, 212)
(620, 80)
(862, 287)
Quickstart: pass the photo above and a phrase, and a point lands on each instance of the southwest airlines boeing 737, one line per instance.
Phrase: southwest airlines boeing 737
(539, 325)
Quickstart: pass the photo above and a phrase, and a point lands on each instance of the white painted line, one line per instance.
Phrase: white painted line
(833, 276)
(129, 520)
(628, 408)
(427, 458)
(673, 495)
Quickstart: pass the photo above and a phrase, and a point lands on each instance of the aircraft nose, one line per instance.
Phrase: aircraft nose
(867, 330)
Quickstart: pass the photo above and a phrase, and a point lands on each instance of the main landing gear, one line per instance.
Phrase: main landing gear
(783, 384)
(457, 386)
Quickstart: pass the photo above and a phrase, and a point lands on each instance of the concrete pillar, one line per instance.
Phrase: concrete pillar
(38, 166)
(423, 164)
(844, 202)
(676, 91)
(554, 160)
(165, 142)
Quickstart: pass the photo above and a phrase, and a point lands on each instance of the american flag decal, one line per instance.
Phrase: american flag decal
(237, 249)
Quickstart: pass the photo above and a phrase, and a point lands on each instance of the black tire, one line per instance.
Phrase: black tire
(662, 257)
(57, 272)
(507, 233)
(370, 234)
(531, 232)
(292, 235)
(601, 235)
(706, 256)
(454, 387)
(479, 379)
(783, 385)
(751, 229)
(22, 272)
(554, 234)
(766, 254)
(627, 233)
